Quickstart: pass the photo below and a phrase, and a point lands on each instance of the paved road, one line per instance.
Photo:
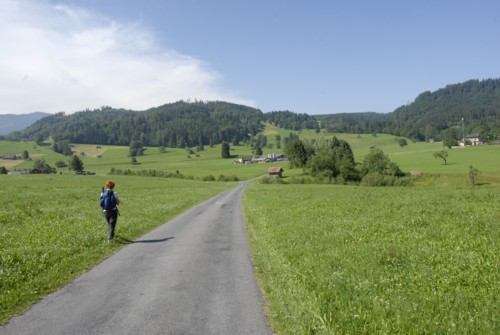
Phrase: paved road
(192, 275)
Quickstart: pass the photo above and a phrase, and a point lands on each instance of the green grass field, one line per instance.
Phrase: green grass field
(197, 165)
(331, 259)
(415, 156)
(355, 260)
(52, 228)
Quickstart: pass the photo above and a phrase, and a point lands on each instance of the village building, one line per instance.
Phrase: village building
(244, 160)
(474, 139)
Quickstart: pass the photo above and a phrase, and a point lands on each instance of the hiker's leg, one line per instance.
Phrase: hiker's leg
(108, 217)
(113, 215)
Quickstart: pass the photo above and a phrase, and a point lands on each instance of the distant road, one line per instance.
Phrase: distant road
(193, 275)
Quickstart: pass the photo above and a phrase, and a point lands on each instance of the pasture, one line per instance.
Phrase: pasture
(413, 157)
(52, 228)
(360, 260)
(330, 258)
(196, 165)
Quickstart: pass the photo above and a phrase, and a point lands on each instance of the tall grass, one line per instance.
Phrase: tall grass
(354, 260)
(52, 229)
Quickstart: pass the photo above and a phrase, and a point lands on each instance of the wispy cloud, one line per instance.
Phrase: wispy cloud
(61, 58)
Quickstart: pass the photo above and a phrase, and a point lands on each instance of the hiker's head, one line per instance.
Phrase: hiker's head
(110, 185)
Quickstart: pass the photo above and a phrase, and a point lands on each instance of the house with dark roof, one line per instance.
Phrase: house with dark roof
(473, 138)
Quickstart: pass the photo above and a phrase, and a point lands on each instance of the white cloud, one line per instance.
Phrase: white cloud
(60, 58)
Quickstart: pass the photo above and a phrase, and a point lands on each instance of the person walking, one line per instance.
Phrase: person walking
(109, 201)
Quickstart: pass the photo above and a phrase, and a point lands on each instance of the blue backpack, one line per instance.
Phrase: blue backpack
(107, 200)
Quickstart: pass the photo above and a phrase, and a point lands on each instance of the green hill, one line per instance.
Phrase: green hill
(446, 114)
(178, 124)
(435, 115)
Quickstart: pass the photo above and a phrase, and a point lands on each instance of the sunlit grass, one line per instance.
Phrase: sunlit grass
(52, 228)
(354, 260)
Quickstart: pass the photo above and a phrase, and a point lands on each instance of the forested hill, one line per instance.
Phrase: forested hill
(432, 115)
(354, 123)
(178, 124)
(291, 121)
(436, 115)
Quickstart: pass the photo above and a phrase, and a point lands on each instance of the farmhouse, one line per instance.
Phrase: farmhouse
(473, 138)
(245, 160)
(261, 159)
(275, 172)
(9, 156)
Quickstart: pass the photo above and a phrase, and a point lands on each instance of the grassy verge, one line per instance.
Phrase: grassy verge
(354, 260)
(51, 227)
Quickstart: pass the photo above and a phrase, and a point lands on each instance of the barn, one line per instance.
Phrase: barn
(275, 172)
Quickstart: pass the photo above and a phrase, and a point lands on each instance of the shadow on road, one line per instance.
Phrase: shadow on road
(123, 240)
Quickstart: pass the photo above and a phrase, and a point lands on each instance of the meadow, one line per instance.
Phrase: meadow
(52, 228)
(175, 160)
(413, 157)
(331, 259)
(360, 260)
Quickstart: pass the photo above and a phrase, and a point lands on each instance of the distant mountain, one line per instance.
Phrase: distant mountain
(13, 122)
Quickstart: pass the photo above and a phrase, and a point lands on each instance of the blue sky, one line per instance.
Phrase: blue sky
(314, 57)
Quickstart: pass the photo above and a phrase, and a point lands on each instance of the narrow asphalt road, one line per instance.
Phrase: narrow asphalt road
(193, 275)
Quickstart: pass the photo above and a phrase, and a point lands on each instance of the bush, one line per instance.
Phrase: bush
(227, 178)
(375, 179)
(208, 178)
(61, 164)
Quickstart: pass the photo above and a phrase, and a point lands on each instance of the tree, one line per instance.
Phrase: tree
(38, 138)
(402, 142)
(443, 154)
(258, 151)
(136, 148)
(333, 158)
(378, 162)
(62, 147)
(296, 152)
(25, 155)
(225, 150)
(76, 164)
(41, 166)
(3, 170)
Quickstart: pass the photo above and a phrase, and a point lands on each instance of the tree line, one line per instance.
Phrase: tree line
(432, 115)
(179, 124)
(291, 121)
(443, 115)
(332, 161)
